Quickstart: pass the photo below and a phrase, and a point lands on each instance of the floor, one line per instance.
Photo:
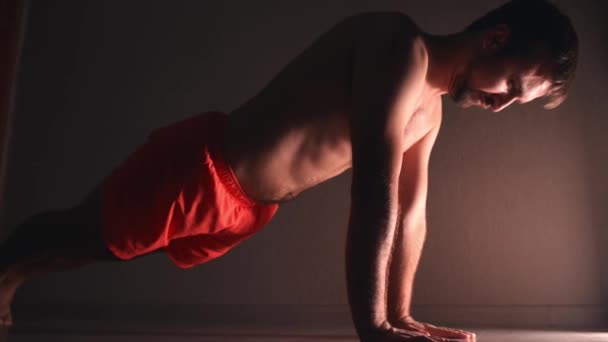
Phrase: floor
(485, 335)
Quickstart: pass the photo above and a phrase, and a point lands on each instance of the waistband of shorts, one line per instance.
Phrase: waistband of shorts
(223, 169)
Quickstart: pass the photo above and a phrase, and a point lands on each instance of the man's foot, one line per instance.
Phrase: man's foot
(7, 292)
(439, 333)
(6, 319)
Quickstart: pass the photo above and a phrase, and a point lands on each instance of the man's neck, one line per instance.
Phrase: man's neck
(448, 56)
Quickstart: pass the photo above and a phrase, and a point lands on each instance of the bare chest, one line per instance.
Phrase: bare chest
(420, 123)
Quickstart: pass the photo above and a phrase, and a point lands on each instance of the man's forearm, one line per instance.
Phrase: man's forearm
(407, 249)
(368, 247)
(377, 159)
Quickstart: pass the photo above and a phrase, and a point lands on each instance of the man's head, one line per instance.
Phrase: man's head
(526, 49)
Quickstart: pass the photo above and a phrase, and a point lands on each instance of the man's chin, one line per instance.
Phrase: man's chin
(461, 98)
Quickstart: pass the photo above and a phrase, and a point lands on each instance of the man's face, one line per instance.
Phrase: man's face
(494, 82)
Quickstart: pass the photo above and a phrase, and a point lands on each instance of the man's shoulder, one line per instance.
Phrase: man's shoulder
(394, 29)
(391, 60)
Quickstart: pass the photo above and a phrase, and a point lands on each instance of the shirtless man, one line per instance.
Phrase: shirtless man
(366, 95)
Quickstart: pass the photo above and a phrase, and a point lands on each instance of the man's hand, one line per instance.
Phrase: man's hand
(392, 333)
(436, 333)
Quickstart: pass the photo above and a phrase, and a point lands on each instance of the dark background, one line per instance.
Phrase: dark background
(517, 219)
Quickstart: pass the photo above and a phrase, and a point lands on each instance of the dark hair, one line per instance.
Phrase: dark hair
(533, 24)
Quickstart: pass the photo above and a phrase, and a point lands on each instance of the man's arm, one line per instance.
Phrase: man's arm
(387, 78)
(411, 221)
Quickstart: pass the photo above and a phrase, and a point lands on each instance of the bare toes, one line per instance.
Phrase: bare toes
(6, 319)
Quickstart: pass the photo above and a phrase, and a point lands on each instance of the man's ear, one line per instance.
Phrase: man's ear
(496, 38)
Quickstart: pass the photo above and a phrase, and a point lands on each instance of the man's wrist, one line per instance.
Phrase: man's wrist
(369, 322)
(399, 317)
(370, 329)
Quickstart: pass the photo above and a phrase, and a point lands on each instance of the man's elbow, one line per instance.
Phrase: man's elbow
(413, 217)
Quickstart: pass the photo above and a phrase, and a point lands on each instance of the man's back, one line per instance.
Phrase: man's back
(296, 132)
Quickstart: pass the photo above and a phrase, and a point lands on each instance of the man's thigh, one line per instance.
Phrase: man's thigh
(83, 236)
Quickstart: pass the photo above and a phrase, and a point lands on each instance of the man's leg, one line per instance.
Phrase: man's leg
(48, 242)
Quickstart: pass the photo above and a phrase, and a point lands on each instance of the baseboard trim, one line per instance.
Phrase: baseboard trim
(316, 319)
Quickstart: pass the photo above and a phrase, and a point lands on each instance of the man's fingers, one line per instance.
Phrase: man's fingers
(444, 339)
(423, 332)
(448, 332)
(428, 325)
(412, 326)
(414, 336)
(411, 333)
(429, 339)
(419, 339)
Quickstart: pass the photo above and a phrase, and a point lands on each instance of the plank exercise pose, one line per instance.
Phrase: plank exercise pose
(366, 94)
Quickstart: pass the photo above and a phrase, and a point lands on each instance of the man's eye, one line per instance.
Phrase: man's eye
(512, 89)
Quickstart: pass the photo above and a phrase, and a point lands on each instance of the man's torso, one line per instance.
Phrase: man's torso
(295, 133)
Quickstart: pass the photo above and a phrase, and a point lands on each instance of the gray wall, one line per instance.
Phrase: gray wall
(516, 221)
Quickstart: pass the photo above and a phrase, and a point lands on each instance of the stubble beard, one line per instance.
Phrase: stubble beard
(462, 94)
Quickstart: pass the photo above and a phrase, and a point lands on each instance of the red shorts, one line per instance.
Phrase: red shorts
(176, 192)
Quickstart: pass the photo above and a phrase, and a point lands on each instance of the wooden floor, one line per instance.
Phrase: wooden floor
(484, 335)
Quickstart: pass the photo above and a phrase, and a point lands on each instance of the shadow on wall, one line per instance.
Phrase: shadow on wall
(594, 124)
